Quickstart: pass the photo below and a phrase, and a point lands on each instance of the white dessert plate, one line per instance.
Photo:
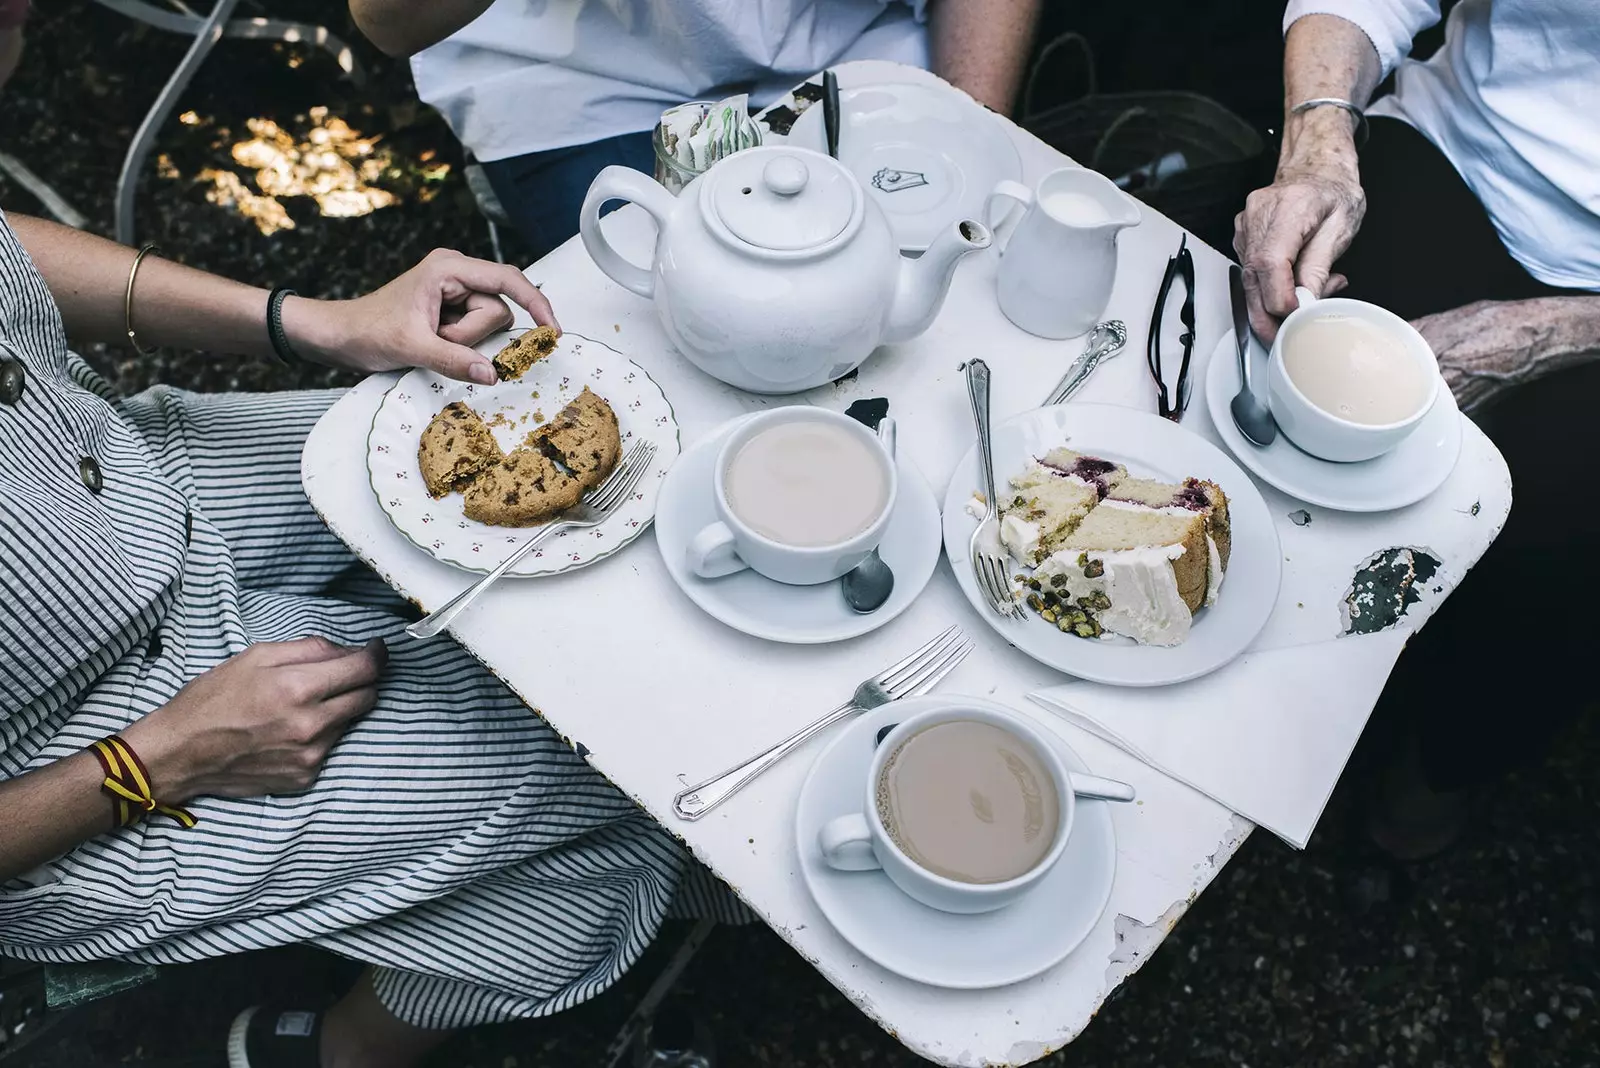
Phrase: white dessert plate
(928, 155)
(1403, 475)
(940, 948)
(800, 615)
(441, 529)
(1150, 447)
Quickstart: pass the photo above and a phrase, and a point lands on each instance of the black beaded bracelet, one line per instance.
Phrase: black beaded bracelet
(280, 340)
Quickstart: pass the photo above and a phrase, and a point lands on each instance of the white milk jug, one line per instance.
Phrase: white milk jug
(1059, 263)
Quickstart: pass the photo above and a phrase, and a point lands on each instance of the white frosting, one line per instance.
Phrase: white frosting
(1141, 585)
(1020, 537)
(976, 508)
(1214, 574)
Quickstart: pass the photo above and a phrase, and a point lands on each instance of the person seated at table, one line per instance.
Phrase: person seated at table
(13, 13)
(1473, 209)
(545, 95)
(206, 745)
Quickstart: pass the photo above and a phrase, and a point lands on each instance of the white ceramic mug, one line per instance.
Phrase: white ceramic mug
(1060, 262)
(1320, 432)
(860, 842)
(730, 545)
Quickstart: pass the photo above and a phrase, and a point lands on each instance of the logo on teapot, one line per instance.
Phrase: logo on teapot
(889, 180)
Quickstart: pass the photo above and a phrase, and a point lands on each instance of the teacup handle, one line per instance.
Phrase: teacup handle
(1303, 297)
(846, 844)
(1005, 191)
(711, 552)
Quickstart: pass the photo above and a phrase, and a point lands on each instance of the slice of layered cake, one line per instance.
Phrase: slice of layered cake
(1140, 563)
(1050, 498)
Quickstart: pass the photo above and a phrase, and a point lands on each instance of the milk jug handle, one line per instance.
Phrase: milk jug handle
(1006, 191)
(622, 183)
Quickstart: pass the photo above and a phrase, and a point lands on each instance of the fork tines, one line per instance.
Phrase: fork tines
(923, 669)
(993, 580)
(623, 478)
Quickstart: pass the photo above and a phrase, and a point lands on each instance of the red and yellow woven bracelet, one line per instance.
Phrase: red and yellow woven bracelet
(128, 782)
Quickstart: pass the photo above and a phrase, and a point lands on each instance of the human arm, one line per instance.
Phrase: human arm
(1294, 230)
(982, 46)
(1490, 346)
(428, 317)
(404, 27)
(259, 723)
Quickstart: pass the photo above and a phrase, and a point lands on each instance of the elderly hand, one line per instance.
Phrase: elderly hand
(1293, 231)
(259, 723)
(428, 317)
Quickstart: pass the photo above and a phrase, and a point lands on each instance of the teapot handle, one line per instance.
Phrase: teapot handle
(622, 183)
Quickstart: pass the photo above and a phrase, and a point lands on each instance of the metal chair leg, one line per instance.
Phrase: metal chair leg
(189, 24)
(640, 1017)
(205, 39)
(42, 191)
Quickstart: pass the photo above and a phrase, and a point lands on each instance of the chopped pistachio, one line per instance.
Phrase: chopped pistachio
(1047, 615)
(1058, 579)
(1100, 602)
(1064, 626)
(1034, 602)
(1035, 584)
(1094, 569)
(1086, 630)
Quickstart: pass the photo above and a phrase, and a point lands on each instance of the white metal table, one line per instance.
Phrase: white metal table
(697, 696)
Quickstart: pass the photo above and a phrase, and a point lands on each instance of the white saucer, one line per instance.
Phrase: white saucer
(928, 155)
(801, 615)
(940, 948)
(1150, 447)
(1404, 475)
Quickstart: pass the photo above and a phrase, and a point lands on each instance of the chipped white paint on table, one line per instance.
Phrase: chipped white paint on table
(660, 694)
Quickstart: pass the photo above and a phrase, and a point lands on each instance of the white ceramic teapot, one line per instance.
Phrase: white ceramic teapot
(774, 271)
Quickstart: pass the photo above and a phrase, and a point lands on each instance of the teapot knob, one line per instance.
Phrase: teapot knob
(785, 175)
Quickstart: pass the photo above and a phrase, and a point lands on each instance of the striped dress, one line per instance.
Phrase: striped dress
(453, 840)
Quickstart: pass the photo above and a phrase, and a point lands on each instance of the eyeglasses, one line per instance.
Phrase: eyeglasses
(1171, 405)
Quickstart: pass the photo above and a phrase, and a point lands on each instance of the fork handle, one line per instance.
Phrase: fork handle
(978, 392)
(445, 614)
(697, 800)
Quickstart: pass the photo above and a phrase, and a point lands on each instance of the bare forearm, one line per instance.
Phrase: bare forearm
(404, 27)
(173, 305)
(49, 812)
(1325, 56)
(981, 46)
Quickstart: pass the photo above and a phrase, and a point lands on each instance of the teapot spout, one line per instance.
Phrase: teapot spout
(925, 281)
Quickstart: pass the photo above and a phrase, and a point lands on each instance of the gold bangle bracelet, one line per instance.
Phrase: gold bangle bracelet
(127, 300)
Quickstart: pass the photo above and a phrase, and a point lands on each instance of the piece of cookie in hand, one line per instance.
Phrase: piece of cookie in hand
(523, 351)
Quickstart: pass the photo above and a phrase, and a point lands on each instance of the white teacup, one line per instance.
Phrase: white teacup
(731, 544)
(1322, 433)
(859, 841)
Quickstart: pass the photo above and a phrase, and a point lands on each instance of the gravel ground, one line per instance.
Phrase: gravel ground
(1484, 957)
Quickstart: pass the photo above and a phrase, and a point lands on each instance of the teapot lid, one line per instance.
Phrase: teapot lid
(783, 199)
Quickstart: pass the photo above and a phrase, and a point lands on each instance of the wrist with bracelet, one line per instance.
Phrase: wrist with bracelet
(128, 783)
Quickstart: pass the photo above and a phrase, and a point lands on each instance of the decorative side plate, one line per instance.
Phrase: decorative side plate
(513, 409)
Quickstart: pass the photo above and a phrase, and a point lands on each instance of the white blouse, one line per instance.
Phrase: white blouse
(531, 75)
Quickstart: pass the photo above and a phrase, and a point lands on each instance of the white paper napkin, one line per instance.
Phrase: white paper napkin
(1267, 736)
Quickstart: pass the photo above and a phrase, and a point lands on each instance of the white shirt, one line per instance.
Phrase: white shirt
(530, 75)
(1513, 101)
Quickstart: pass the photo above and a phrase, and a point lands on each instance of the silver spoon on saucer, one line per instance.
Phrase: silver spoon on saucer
(867, 585)
(1252, 417)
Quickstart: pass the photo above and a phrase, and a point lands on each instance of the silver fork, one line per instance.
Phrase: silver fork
(988, 568)
(591, 511)
(911, 677)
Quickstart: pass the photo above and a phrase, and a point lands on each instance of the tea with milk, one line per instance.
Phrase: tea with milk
(1354, 369)
(970, 801)
(807, 483)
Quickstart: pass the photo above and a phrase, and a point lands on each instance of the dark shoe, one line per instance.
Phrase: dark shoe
(268, 1036)
(1408, 819)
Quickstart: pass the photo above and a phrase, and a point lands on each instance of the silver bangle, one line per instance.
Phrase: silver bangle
(1336, 102)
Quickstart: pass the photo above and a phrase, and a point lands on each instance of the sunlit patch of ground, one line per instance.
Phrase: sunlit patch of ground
(322, 158)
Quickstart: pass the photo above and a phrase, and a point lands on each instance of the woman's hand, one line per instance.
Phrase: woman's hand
(428, 317)
(259, 723)
(1293, 231)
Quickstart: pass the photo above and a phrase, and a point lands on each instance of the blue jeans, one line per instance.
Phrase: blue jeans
(542, 191)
